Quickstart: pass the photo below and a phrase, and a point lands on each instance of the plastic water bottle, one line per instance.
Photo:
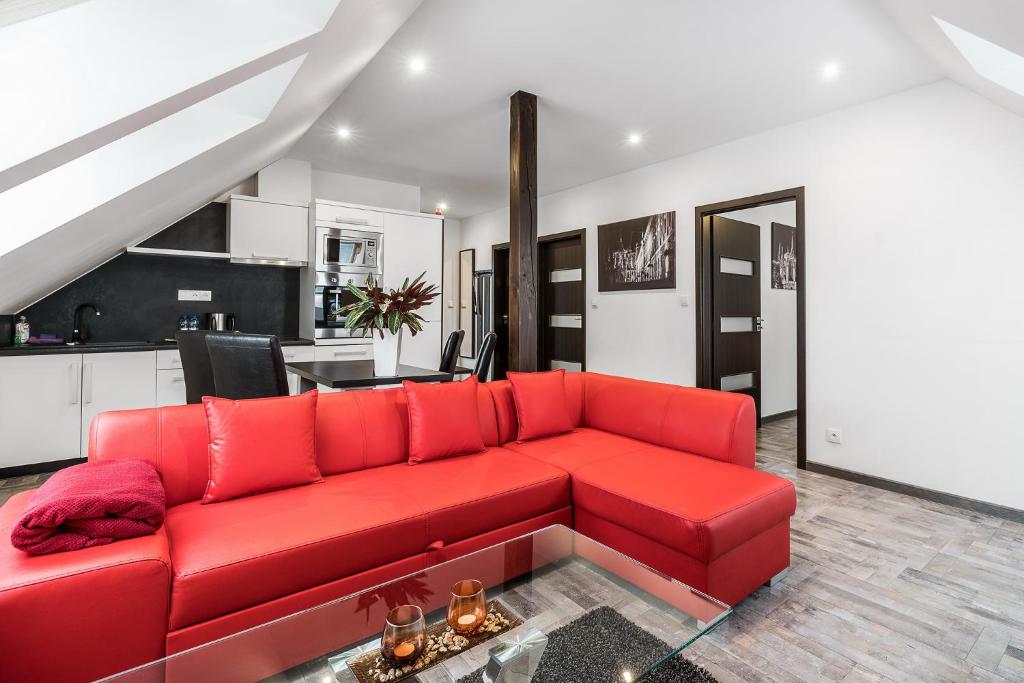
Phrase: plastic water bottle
(21, 331)
(193, 322)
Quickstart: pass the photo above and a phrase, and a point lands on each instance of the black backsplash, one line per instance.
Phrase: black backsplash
(137, 295)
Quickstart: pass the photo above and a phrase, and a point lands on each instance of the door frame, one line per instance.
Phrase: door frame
(702, 290)
(555, 237)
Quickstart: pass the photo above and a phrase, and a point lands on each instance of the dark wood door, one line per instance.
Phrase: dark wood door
(500, 262)
(562, 342)
(736, 307)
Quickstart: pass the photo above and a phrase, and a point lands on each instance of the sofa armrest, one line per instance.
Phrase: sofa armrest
(84, 614)
(716, 424)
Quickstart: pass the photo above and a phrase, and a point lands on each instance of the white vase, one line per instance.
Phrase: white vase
(386, 352)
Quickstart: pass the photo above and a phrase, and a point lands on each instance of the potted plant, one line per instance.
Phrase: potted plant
(383, 313)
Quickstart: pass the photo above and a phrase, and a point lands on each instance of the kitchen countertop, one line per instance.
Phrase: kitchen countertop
(111, 347)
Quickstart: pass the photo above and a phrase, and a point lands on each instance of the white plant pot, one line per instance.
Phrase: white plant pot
(386, 352)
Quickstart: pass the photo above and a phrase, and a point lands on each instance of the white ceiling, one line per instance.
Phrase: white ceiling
(689, 75)
(150, 191)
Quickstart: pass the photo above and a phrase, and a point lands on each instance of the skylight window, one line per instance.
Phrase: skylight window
(88, 181)
(997, 64)
(67, 73)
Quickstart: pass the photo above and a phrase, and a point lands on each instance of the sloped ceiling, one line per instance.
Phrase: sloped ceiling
(329, 59)
(997, 21)
(687, 75)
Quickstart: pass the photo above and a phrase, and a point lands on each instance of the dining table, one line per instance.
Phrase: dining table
(358, 374)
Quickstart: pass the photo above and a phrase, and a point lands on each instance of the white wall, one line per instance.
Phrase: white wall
(452, 241)
(778, 308)
(289, 180)
(913, 250)
(357, 190)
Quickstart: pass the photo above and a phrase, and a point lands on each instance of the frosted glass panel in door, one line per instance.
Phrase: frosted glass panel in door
(738, 382)
(737, 323)
(736, 266)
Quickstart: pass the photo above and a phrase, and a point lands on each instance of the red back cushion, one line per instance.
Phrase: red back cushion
(444, 419)
(540, 403)
(260, 445)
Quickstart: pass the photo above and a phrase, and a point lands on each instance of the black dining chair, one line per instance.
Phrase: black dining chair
(450, 355)
(195, 365)
(483, 359)
(247, 365)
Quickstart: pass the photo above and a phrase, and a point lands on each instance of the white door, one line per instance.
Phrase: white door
(40, 408)
(412, 245)
(268, 230)
(296, 354)
(116, 381)
(423, 350)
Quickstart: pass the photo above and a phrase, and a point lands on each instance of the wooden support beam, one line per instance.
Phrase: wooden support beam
(523, 270)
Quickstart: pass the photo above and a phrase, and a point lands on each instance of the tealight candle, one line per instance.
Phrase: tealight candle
(467, 607)
(467, 620)
(403, 650)
(405, 633)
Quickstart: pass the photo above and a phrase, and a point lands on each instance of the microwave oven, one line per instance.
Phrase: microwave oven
(340, 250)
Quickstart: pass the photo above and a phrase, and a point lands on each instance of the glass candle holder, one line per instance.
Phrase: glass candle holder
(467, 607)
(405, 633)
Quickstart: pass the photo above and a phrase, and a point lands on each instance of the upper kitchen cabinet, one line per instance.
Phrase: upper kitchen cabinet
(268, 232)
(413, 245)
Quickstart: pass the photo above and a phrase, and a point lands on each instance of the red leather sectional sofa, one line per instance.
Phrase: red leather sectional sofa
(662, 473)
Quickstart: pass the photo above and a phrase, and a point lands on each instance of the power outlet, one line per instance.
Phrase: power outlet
(195, 295)
(833, 435)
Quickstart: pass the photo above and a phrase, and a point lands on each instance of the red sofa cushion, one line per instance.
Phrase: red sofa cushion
(576, 449)
(250, 550)
(246, 551)
(443, 420)
(714, 424)
(260, 445)
(540, 404)
(505, 404)
(473, 494)
(696, 505)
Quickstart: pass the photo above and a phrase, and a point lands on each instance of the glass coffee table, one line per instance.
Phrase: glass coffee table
(571, 609)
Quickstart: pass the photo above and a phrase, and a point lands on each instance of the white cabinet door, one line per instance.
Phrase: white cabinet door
(264, 230)
(342, 352)
(170, 388)
(423, 350)
(412, 245)
(116, 381)
(40, 408)
(296, 354)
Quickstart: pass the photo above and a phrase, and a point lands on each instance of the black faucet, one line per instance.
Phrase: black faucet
(76, 335)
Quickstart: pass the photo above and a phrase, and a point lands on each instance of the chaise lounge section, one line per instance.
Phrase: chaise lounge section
(662, 473)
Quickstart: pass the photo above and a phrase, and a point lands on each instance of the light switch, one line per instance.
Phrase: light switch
(593, 302)
(684, 300)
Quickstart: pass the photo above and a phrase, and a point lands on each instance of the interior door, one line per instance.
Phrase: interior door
(562, 342)
(500, 325)
(736, 307)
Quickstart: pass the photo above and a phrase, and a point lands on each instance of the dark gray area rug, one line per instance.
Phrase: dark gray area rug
(599, 646)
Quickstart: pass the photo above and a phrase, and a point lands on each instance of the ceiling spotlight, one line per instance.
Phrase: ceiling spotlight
(344, 133)
(417, 65)
(442, 206)
(830, 70)
(635, 138)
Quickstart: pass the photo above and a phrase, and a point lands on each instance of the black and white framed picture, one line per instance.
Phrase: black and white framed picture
(783, 256)
(637, 254)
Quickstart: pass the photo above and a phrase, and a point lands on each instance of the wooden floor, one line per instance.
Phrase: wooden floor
(882, 587)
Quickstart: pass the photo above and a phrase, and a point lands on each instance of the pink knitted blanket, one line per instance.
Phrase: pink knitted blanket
(90, 504)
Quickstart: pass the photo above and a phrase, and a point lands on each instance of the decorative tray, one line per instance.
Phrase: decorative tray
(441, 644)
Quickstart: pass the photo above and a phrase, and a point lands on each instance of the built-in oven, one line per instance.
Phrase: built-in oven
(330, 296)
(341, 250)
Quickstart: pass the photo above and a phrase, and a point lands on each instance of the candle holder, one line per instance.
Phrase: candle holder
(467, 607)
(405, 632)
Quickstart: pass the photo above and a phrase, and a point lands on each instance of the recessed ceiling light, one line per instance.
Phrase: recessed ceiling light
(442, 206)
(991, 61)
(830, 70)
(635, 138)
(417, 65)
(344, 133)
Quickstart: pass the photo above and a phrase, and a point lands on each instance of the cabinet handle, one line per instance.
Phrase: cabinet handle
(353, 221)
(87, 389)
(76, 388)
(349, 353)
(177, 379)
(269, 257)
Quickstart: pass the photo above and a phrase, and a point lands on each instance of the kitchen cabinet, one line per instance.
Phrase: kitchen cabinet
(296, 354)
(412, 245)
(342, 352)
(170, 388)
(40, 408)
(262, 231)
(423, 350)
(116, 381)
